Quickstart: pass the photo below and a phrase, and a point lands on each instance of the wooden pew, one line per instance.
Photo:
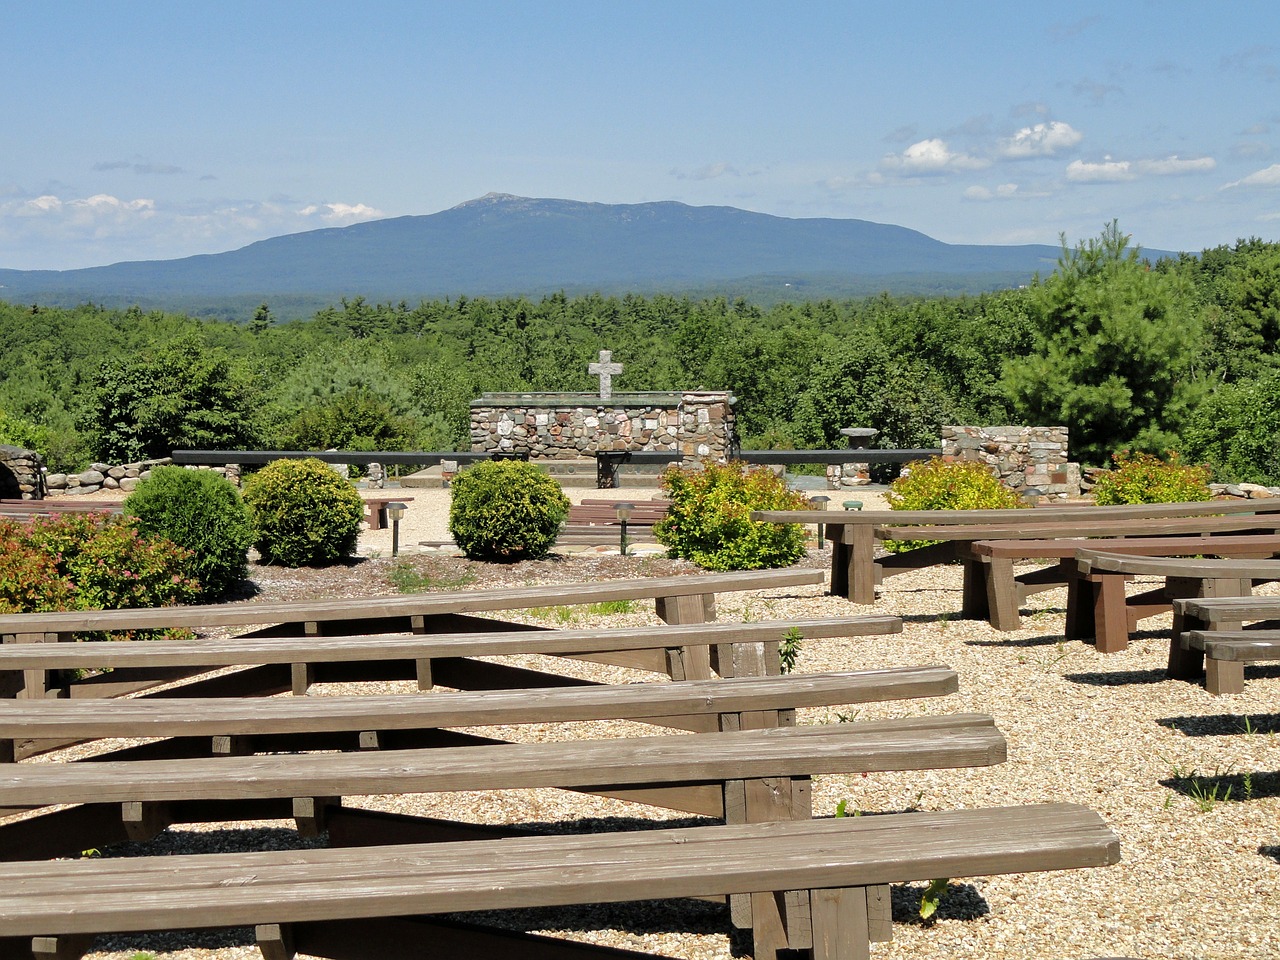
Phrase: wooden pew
(1207, 639)
(450, 659)
(315, 900)
(596, 521)
(678, 600)
(856, 571)
(993, 592)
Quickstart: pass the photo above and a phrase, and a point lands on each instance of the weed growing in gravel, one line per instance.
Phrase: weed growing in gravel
(789, 649)
(407, 578)
(576, 613)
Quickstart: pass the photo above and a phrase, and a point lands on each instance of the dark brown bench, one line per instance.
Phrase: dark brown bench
(319, 900)
(856, 571)
(1095, 600)
(1208, 639)
(375, 510)
(596, 521)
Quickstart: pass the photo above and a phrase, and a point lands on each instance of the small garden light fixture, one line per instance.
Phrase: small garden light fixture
(821, 500)
(623, 512)
(395, 513)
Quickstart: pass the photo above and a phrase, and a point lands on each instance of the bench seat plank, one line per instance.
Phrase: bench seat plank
(948, 741)
(162, 717)
(1031, 529)
(405, 605)
(237, 651)
(234, 889)
(1245, 645)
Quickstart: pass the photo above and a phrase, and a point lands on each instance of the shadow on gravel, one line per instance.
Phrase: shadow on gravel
(1209, 790)
(1223, 724)
(1117, 678)
(1047, 640)
(1270, 850)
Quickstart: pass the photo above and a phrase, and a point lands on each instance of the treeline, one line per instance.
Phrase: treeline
(1176, 355)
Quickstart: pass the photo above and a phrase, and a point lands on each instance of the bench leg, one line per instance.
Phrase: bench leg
(1002, 594)
(143, 821)
(71, 946)
(839, 563)
(309, 814)
(275, 940)
(1185, 662)
(973, 602)
(861, 563)
(690, 663)
(1080, 604)
(1110, 615)
(1223, 676)
(841, 924)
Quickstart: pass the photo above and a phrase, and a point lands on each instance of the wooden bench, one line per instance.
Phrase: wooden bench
(1096, 601)
(1207, 639)
(596, 521)
(294, 663)
(678, 600)
(313, 900)
(856, 571)
(27, 510)
(992, 591)
(375, 510)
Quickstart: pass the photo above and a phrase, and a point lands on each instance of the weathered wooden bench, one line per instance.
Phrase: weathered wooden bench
(856, 571)
(452, 660)
(993, 592)
(26, 510)
(813, 884)
(375, 510)
(1207, 639)
(678, 600)
(596, 521)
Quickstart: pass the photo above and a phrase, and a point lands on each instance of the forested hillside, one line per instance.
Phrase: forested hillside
(1177, 355)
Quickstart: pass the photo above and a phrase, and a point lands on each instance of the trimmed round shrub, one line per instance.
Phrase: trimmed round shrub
(938, 484)
(709, 520)
(505, 510)
(303, 514)
(203, 512)
(1145, 478)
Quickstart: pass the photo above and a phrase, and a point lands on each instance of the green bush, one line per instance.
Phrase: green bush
(506, 510)
(90, 562)
(203, 512)
(938, 484)
(1145, 478)
(302, 513)
(709, 521)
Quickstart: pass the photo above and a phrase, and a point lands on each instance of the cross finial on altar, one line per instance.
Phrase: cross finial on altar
(605, 370)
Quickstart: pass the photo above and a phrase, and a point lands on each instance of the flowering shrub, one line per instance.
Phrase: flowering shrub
(90, 562)
(709, 521)
(938, 484)
(1145, 478)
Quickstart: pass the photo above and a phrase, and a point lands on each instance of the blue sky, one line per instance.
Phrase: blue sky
(152, 130)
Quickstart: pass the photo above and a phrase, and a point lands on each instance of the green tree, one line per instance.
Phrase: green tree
(1114, 348)
(183, 395)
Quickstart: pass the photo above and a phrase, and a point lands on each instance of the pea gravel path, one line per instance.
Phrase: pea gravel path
(1200, 878)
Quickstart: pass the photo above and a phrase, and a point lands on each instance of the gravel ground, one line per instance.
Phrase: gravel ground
(1200, 875)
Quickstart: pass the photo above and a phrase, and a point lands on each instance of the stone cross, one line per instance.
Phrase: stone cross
(605, 370)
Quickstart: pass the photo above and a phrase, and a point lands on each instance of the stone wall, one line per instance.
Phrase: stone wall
(1023, 457)
(21, 473)
(573, 426)
(103, 476)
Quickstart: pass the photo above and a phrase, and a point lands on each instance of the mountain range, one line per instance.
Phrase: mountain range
(505, 245)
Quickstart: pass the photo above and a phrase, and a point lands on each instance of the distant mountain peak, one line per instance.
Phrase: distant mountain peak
(491, 198)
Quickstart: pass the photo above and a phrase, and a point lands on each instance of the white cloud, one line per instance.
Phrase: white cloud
(1267, 177)
(341, 212)
(711, 171)
(1003, 191)
(1176, 166)
(98, 206)
(1040, 140)
(931, 156)
(1108, 171)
